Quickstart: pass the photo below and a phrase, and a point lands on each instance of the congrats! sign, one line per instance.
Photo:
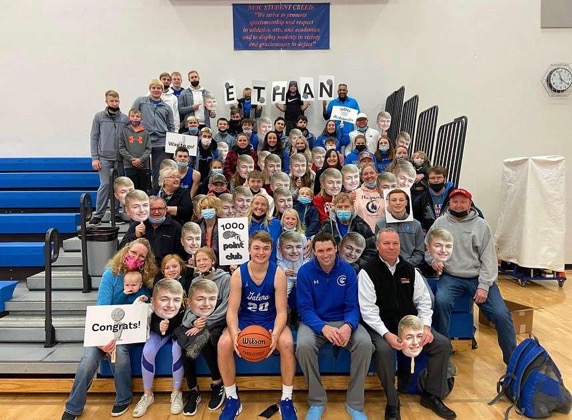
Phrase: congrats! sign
(127, 324)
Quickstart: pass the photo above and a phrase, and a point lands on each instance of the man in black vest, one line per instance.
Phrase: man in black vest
(389, 289)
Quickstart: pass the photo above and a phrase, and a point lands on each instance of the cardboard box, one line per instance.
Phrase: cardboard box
(521, 317)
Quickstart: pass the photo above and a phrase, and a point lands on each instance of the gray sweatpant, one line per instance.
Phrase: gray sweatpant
(105, 185)
(307, 346)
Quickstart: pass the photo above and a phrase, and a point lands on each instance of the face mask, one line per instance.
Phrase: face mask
(361, 147)
(249, 132)
(287, 229)
(222, 130)
(330, 147)
(437, 187)
(194, 130)
(418, 162)
(112, 111)
(370, 185)
(362, 129)
(133, 263)
(384, 148)
(206, 142)
(135, 123)
(157, 221)
(343, 215)
(217, 171)
(304, 200)
(194, 83)
(459, 214)
(208, 214)
(182, 164)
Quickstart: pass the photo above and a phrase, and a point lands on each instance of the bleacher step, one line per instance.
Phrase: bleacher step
(32, 302)
(30, 329)
(61, 280)
(33, 358)
(68, 259)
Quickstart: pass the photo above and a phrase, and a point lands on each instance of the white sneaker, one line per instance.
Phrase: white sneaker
(142, 406)
(176, 402)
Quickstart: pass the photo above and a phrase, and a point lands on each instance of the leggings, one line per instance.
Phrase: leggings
(150, 351)
(209, 353)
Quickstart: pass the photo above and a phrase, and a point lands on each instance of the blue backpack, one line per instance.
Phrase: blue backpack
(533, 383)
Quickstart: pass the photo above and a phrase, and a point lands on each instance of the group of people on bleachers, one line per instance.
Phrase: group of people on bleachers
(329, 218)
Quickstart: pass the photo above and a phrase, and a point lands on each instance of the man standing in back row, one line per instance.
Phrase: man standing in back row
(342, 100)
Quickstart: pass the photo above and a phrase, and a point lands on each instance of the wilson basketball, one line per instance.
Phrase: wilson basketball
(254, 343)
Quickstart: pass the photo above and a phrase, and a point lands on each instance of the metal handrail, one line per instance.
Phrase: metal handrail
(51, 254)
(112, 201)
(86, 212)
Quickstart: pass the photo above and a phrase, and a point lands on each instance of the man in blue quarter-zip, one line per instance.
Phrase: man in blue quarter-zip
(328, 305)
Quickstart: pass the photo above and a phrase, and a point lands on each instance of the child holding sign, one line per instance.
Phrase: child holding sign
(167, 315)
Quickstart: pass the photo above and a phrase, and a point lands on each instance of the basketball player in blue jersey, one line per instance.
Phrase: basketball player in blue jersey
(257, 297)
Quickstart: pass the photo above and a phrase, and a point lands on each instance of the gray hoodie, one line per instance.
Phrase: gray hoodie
(474, 253)
(157, 119)
(222, 280)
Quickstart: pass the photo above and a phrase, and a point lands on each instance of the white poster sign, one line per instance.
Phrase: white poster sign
(306, 88)
(127, 324)
(230, 92)
(326, 88)
(258, 92)
(233, 240)
(279, 89)
(345, 114)
(175, 140)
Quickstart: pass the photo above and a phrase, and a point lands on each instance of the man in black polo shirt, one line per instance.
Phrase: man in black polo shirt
(389, 289)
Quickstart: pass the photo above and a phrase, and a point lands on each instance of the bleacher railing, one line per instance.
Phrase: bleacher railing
(394, 105)
(51, 254)
(450, 145)
(86, 212)
(409, 117)
(425, 135)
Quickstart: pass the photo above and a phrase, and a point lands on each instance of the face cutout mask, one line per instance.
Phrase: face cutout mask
(202, 303)
(351, 182)
(410, 331)
(440, 249)
(292, 251)
(138, 210)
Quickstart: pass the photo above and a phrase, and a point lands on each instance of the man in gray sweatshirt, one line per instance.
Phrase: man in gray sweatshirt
(471, 269)
(104, 144)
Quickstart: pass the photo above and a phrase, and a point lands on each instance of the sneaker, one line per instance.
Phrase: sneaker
(142, 406)
(356, 414)
(192, 403)
(177, 402)
(231, 410)
(217, 396)
(68, 416)
(119, 409)
(95, 221)
(451, 368)
(287, 410)
(436, 404)
(315, 412)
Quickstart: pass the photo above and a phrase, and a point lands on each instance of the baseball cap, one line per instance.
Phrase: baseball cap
(217, 178)
(462, 192)
(366, 154)
(361, 115)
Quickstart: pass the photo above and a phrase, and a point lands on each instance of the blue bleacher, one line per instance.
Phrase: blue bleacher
(38, 223)
(42, 199)
(22, 254)
(53, 180)
(46, 164)
(6, 291)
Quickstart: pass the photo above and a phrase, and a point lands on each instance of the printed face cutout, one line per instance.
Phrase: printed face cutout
(440, 249)
(244, 169)
(222, 148)
(191, 242)
(351, 181)
(202, 303)
(264, 128)
(333, 186)
(283, 203)
(298, 169)
(292, 251)
(210, 104)
(166, 304)
(318, 159)
(411, 339)
(121, 192)
(350, 252)
(241, 205)
(138, 210)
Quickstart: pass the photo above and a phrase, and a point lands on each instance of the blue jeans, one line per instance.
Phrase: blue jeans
(87, 369)
(450, 288)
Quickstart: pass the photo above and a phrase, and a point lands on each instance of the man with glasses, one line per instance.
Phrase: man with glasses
(162, 232)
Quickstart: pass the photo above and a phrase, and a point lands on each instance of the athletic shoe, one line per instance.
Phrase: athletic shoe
(315, 412)
(94, 221)
(287, 410)
(231, 410)
(142, 406)
(217, 396)
(119, 409)
(356, 414)
(68, 416)
(192, 403)
(176, 402)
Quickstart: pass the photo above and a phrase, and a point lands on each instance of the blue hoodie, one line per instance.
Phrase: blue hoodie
(324, 298)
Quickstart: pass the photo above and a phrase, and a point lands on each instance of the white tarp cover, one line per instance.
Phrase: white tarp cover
(532, 223)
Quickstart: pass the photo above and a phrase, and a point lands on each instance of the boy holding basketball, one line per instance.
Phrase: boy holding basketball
(257, 297)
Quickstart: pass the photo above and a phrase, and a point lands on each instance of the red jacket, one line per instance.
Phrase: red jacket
(323, 205)
(230, 164)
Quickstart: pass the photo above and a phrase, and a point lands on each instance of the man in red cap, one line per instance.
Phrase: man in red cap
(472, 269)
